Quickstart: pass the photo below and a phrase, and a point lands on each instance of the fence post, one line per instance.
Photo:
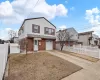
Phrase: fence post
(73, 48)
(80, 49)
(99, 53)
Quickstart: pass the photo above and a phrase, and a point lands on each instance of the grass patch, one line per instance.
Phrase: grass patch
(39, 66)
(81, 56)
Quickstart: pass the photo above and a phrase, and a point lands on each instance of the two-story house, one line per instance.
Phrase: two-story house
(85, 37)
(38, 33)
(73, 34)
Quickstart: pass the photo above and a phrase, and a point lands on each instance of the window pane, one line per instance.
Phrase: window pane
(49, 31)
(35, 28)
(35, 42)
(53, 31)
(46, 30)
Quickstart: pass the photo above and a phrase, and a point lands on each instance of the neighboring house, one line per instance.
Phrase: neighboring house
(73, 39)
(15, 39)
(39, 33)
(99, 40)
(88, 38)
(95, 40)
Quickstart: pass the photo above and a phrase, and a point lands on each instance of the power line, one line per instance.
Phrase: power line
(34, 7)
(86, 27)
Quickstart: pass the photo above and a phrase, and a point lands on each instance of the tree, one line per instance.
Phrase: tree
(1, 41)
(12, 34)
(63, 37)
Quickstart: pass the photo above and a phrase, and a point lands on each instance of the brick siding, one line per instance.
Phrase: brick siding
(42, 44)
(30, 45)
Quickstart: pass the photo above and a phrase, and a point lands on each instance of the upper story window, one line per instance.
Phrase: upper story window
(46, 30)
(53, 32)
(49, 31)
(35, 28)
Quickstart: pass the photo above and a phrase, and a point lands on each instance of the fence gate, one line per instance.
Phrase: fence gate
(14, 48)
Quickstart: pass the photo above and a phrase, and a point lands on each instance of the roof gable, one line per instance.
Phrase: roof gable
(85, 33)
(72, 29)
(36, 18)
(68, 29)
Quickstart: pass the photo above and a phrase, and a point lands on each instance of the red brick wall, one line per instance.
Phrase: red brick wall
(30, 44)
(43, 44)
(54, 44)
(22, 43)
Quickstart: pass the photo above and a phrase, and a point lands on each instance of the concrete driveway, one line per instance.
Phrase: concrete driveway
(90, 71)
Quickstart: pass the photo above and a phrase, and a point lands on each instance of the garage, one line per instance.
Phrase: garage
(49, 45)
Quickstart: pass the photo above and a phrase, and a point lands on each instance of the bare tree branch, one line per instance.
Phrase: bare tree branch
(12, 34)
(63, 36)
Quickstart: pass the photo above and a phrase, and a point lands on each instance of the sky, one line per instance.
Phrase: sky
(83, 15)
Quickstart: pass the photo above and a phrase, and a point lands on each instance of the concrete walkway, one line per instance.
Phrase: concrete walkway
(90, 71)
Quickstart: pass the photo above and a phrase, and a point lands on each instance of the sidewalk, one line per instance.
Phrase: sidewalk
(90, 71)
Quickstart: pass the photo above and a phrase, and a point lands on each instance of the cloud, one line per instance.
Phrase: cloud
(72, 8)
(96, 30)
(93, 17)
(62, 27)
(17, 10)
(5, 9)
(8, 29)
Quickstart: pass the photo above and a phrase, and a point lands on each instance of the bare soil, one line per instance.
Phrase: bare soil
(39, 66)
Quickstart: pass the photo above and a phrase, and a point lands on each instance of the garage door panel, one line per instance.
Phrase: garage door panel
(49, 45)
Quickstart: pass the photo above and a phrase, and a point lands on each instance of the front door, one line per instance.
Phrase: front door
(35, 45)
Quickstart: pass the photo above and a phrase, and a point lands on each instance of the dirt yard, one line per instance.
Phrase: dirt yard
(81, 56)
(39, 66)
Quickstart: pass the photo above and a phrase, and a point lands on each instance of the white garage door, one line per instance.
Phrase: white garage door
(49, 45)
